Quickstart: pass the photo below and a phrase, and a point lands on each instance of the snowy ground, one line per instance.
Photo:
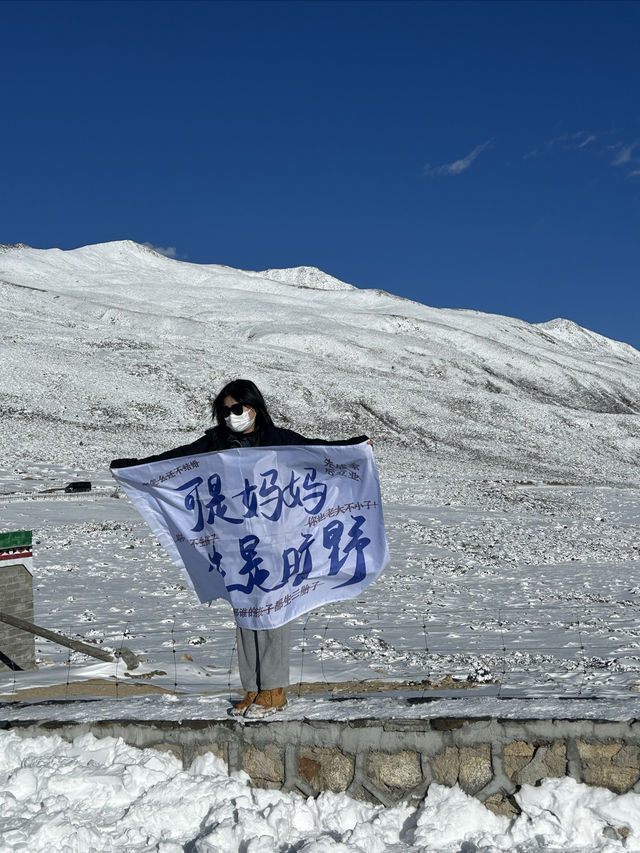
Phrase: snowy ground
(531, 590)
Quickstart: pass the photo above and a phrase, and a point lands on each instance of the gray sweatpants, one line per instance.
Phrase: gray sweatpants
(263, 657)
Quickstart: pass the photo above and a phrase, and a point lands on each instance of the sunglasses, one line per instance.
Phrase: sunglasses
(236, 409)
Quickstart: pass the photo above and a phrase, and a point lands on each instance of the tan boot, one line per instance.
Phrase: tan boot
(240, 707)
(267, 702)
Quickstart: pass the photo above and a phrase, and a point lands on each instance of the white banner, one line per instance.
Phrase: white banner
(276, 531)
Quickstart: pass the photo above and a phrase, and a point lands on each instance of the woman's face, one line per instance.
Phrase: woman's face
(231, 401)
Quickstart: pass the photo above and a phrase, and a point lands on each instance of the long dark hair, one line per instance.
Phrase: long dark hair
(246, 392)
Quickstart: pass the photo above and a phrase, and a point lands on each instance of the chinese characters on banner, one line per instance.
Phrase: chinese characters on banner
(274, 531)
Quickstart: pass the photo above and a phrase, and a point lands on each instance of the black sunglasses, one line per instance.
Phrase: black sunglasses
(237, 409)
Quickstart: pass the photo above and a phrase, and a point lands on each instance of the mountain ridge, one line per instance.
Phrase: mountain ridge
(480, 392)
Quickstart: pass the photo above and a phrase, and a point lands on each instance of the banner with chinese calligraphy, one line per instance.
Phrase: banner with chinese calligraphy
(276, 531)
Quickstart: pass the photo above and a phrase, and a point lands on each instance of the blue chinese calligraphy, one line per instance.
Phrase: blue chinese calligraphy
(217, 506)
(256, 576)
(192, 501)
(317, 489)
(267, 489)
(288, 496)
(249, 500)
(275, 498)
(343, 545)
(331, 539)
(215, 558)
(297, 561)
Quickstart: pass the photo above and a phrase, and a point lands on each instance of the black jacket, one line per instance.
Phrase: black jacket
(218, 438)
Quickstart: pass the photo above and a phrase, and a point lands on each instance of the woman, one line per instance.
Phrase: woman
(243, 420)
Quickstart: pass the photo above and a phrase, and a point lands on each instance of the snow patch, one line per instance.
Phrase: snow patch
(103, 795)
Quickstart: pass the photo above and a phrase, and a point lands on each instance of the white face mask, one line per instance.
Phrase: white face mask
(240, 423)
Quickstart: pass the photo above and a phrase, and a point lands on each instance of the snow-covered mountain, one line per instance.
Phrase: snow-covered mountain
(113, 350)
(306, 277)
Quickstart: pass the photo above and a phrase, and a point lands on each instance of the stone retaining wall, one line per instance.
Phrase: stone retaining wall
(386, 761)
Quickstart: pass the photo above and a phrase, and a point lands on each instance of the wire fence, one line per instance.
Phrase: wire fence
(551, 649)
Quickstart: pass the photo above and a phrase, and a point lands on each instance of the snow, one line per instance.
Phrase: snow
(566, 331)
(120, 347)
(400, 705)
(306, 277)
(103, 795)
(519, 588)
(508, 461)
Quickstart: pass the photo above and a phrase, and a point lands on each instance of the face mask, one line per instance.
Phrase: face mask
(239, 423)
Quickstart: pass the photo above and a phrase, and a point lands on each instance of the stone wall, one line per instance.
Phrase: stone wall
(17, 648)
(386, 761)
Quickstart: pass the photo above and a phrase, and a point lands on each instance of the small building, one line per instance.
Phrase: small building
(17, 647)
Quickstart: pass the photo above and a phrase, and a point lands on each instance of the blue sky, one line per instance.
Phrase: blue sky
(476, 154)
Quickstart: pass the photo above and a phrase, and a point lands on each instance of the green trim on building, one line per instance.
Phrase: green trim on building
(16, 539)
